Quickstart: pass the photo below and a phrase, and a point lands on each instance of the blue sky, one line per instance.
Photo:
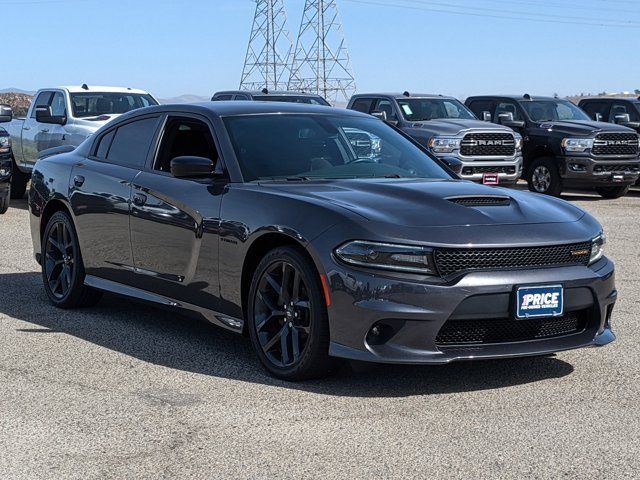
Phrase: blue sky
(173, 47)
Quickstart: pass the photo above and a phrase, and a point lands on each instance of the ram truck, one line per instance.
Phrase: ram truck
(563, 148)
(487, 153)
(64, 117)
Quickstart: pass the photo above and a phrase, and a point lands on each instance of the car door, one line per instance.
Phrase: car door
(175, 221)
(100, 197)
(33, 139)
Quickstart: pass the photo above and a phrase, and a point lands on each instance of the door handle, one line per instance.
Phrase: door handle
(139, 199)
(44, 130)
(26, 128)
(78, 180)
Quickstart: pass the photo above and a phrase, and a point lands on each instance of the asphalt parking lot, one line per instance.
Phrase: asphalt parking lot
(126, 391)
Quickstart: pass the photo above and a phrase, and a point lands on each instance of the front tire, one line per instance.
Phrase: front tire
(62, 267)
(19, 181)
(612, 192)
(4, 201)
(543, 177)
(287, 317)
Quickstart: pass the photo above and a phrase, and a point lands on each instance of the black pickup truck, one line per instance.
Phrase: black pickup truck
(563, 147)
(5, 162)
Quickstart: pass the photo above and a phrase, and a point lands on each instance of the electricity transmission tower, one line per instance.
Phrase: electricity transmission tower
(270, 50)
(321, 61)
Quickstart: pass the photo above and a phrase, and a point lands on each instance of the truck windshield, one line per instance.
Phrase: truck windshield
(305, 146)
(421, 109)
(94, 104)
(553, 110)
(292, 99)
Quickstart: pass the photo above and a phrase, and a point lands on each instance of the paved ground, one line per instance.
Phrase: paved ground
(125, 391)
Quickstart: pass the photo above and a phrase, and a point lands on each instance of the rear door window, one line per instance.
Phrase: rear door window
(131, 143)
(508, 107)
(42, 100)
(479, 106)
(362, 105)
(596, 107)
(623, 108)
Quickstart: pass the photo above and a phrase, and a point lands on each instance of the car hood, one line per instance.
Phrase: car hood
(420, 203)
(453, 126)
(582, 127)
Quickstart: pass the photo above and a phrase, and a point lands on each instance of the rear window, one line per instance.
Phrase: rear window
(94, 104)
(131, 143)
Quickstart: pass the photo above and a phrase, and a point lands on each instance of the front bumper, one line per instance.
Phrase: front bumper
(581, 171)
(509, 171)
(412, 313)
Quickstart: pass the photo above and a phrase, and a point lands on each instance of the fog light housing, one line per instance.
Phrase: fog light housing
(576, 167)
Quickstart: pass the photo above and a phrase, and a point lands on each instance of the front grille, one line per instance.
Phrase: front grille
(456, 260)
(504, 330)
(481, 201)
(488, 145)
(615, 144)
(616, 168)
(472, 170)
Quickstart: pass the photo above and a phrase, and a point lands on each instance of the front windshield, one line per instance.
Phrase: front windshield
(94, 104)
(292, 99)
(422, 109)
(553, 110)
(307, 146)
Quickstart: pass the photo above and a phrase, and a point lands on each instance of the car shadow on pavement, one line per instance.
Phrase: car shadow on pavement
(175, 341)
(20, 204)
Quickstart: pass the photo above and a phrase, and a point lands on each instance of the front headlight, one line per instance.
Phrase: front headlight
(388, 256)
(577, 144)
(5, 141)
(597, 248)
(518, 139)
(444, 144)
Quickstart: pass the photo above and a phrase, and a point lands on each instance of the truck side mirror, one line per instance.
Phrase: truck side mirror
(622, 118)
(6, 113)
(597, 117)
(486, 116)
(44, 115)
(192, 167)
(507, 120)
(382, 115)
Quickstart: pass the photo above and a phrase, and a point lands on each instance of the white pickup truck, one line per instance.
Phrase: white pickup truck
(65, 116)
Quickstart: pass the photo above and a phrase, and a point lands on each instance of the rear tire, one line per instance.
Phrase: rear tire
(612, 192)
(4, 201)
(287, 317)
(19, 181)
(62, 267)
(543, 177)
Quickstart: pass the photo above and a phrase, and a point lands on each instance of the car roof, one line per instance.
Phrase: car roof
(257, 93)
(401, 96)
(613, 99)
(224, 108)
(517, 98)
(101, 89)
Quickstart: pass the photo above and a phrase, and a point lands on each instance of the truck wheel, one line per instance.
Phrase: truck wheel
(612, 192)
(62, 266)
(4, 201)
(19, 181)
(543, 177)
(287, 317)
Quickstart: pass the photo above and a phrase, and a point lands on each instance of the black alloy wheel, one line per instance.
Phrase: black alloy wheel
(288, 318)
(62, 267)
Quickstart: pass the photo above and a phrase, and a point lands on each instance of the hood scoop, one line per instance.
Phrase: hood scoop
(482, 201)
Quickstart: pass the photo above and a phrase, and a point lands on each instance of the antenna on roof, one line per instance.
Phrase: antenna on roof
(84, 86)
(406, 94)
(526, 96)
(265, 91)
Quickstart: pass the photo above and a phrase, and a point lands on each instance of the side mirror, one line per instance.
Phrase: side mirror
(192, 167)
(453, 163)
(597, 117)
(622, 118)
(382, 115)
(44, 115)
(507, 120)
(486, 116)
(6, 113)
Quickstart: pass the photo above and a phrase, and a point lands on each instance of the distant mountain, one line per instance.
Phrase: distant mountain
(188, 98)
(19, 102)
(17, 90)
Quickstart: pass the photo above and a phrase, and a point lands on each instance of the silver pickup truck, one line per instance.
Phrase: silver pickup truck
(65, 116)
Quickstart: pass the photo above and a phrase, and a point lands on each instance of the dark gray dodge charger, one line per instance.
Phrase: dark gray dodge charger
(321, 234)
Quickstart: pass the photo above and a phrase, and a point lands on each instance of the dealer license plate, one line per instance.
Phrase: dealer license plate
(543, 301)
